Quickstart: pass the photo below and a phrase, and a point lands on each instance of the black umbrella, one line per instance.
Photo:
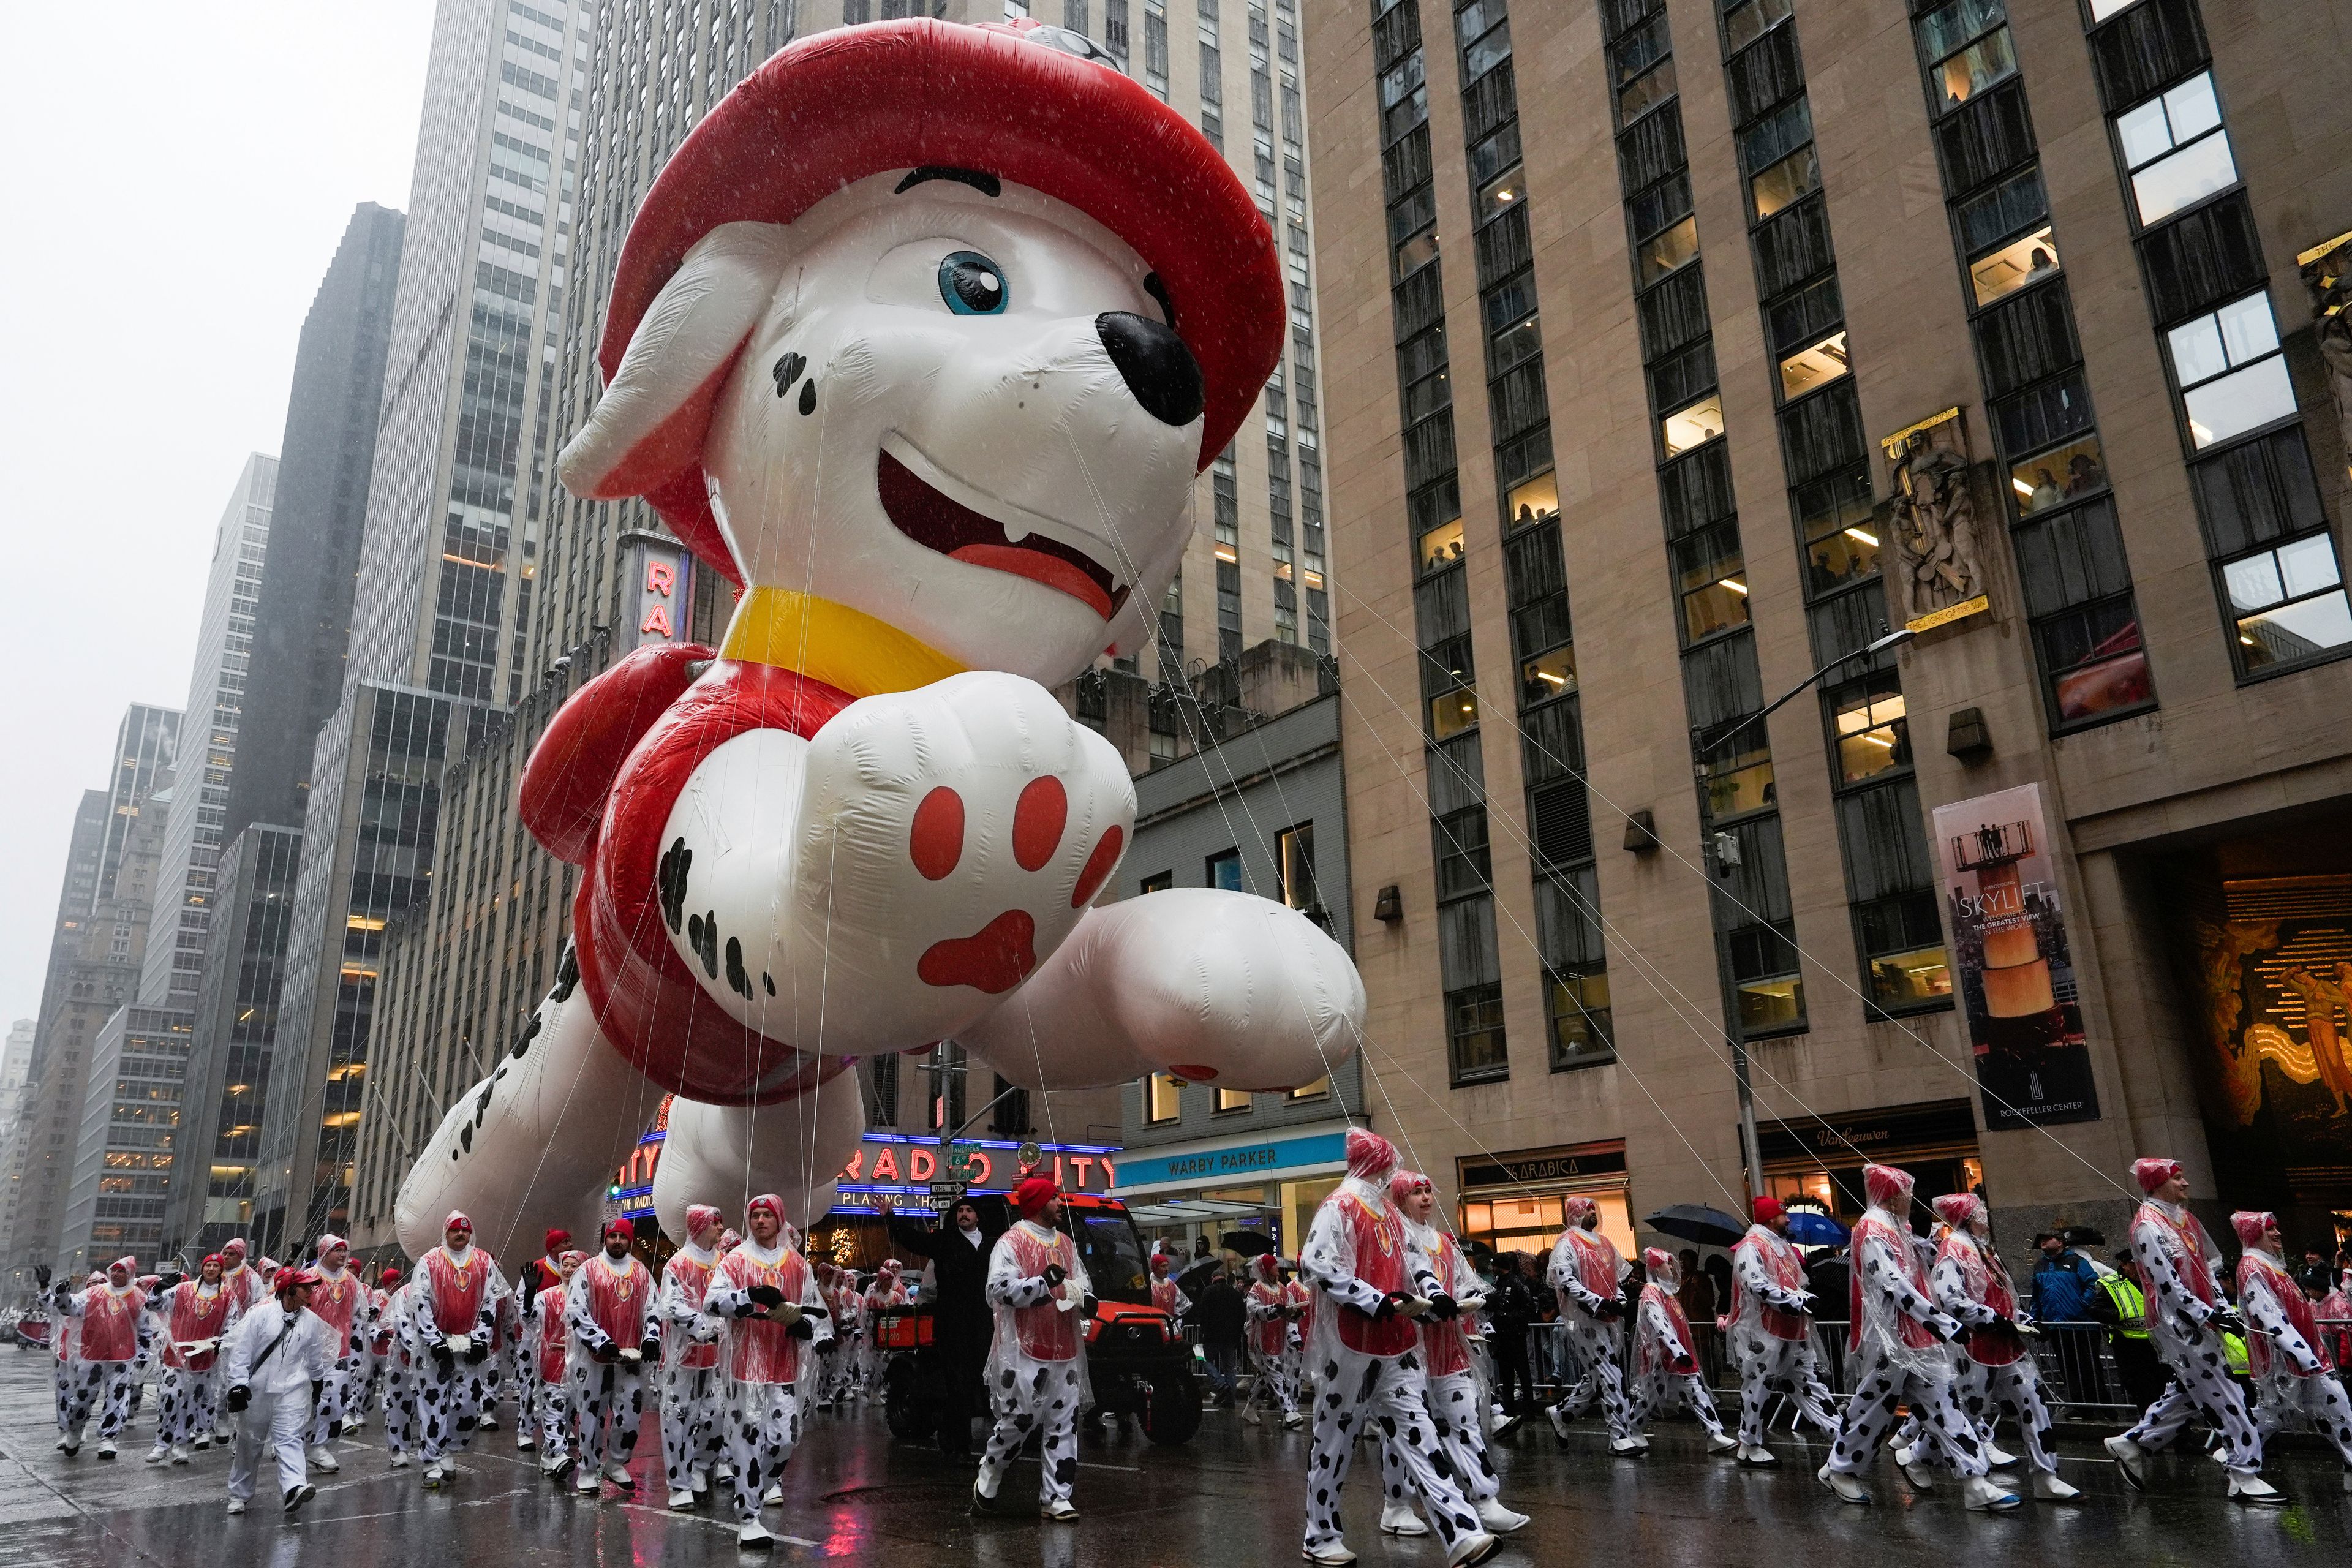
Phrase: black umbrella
(2084, 1235)
(1248, 1243)
(1696, 1222)
(1195, 1280)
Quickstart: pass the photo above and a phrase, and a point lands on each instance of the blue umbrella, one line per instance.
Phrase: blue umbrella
(1810, 1227)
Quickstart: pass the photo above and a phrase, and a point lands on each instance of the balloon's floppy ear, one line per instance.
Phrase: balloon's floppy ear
(648, 427)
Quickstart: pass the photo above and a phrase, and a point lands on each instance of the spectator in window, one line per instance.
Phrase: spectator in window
(2084, 474)
(2041, 262)
(2046, 491)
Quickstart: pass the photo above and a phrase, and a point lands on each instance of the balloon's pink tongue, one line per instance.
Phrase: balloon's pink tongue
(1038, 567)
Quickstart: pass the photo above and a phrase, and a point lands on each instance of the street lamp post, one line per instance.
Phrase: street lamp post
(1704, 743)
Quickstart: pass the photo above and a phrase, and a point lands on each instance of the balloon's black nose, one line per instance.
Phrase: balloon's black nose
(1155, 364)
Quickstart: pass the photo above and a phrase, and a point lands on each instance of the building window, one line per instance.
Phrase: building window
(1474, 1033)
(2232, 375)
(1316, 1091)
(2058, 476)
(1691, 426)
(1966, 51)
(1669, 250)
(1232, 1099)
(1816, 364)
(1764, 972)
(1751, 19)
(1578, 1006)
(1158, 882)
(1224, 870)
(1834, 517)
(1295, 862)
(2289, 604)
(2176, 150)
(2078, 600)
(2002, 271)
(1902, 949)
(1709, 572)
(1163, 1098)
(1777, 151)
(1871, 733)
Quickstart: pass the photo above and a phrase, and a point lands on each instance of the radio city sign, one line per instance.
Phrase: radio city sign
(894, 1162)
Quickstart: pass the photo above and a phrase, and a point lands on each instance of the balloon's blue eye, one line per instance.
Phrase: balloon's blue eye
(972, 285)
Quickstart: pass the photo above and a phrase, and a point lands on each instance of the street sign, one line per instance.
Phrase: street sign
(947, 1190)
(959, 1161)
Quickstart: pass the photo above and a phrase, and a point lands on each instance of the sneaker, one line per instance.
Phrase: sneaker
(1906, 1454)
(774, 1494)
(1757, 1457)
(2131, 1460)
(1335, 1555)
(432, 1474)
(1059, 1510)
(1507, 1424)
(1398, 1519)
(754, 1537)
(400, 1461)
(525, 1442)
(296, 1496)
(982, 1505)
(1921, 1478)
(1252, 1418)
(487, 1423)
(1294, 1420)
(2048, 1487)
(159, 1452)
(237, 1505)
(1472, 1549)
(106, 1448)
(72, 1448)
(1624, 1447)
(588, 1485)
(1558, 1424)
(618, 1474)
(203, 1442)
(323, 1458)
(1848, 1488)
(1722, 1442)
(698, 1481)
(1985, 1495)
(1999, 1459)
(1498, 1519)
(2255, 1492)
(681, 1500)
(179, 1454)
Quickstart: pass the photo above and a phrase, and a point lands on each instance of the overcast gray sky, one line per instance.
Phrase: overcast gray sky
(173, 181)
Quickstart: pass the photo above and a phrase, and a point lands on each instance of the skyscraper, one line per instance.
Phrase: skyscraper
(124, 1148)
(446, 559)
(1763, 336)
(303, 619)
(193, 833)
(95, 959)
(464, 973)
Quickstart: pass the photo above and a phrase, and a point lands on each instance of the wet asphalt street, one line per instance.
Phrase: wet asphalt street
(1230, 1498)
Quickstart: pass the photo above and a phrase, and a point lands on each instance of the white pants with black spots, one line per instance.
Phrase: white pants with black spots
(186, 1406)
(77, 1385)
(2318, 1401)
(104, 1386)
(1277, 1379)
(764, 1427)
(272, 1426)
(608, 1405)
(1453, 1403)
(550, 1410)
(1770, 1367)
(1668, 1391)
(527, 1389)
(447, 1408)
(693, 1427)
(400, 1381)
(1884, 1386)
(345, 1387)
(1983, 1390)
(1393, 1393)
(1042, 1395)
(2200, 1382)
(1595, 1346)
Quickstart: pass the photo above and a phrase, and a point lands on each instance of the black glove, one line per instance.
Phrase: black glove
(1444, 1308)
(828, 1347)
(168, 1282)
(1809, 1303)
(1942, 1329)
(41, 1275)
(650, 1348)
(747, 1308)
(1388, 1307)
(476, 1353)
(443, 1359)
(1088, 1306)
(801, 1329)
(607, 1352)
(239, 1398)
(1609, 1311)
(766, 1295)
(2227, 1322)
(1054, 1275)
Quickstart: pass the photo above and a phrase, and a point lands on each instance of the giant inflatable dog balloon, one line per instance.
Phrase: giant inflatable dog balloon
(922, 338)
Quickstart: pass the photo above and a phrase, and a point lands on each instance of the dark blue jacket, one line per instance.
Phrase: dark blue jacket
(2063, 1287)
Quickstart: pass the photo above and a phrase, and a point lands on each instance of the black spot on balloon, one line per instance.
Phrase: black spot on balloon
(769, 981)
(808, 396)
(676, 862)
(738, 981)
(466, 1138)
(787, 371)
(702, 930)
(567, 975)
(530, 1032)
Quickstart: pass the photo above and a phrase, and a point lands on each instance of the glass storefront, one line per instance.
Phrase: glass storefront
(1514, 1202)
(1821, 1160)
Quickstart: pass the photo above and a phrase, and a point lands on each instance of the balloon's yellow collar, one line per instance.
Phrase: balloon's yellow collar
(830, 642)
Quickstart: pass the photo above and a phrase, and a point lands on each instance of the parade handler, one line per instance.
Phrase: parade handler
(2187, 1316)
(277, 1367)
(341, 1302)
(111, 1315)
(1665, 1356)
(694, 1439)
(608, 1310)
(1457, 1396)
(453, 1305)
(1971, 1282)
(1771, 1326)
(2286, 1352)
(1588, 1275)
(195, 1319)
(767, 1295)
(1036, 1371)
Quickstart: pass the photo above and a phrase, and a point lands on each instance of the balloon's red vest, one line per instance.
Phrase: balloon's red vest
(597, 791)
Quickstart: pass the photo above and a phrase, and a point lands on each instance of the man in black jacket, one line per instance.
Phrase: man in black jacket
(1222, 1317)
(961, 1324)
(1512, 1309)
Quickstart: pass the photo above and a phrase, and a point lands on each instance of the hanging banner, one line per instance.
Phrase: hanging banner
(2016, 970)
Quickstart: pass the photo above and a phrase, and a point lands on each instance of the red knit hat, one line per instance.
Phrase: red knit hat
(557, 1240)
(1030, 1198)
(622, 1228)
(1766, 1209)
(1016, 102)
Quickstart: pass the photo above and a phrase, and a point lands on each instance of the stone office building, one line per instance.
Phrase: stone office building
(1724, 339)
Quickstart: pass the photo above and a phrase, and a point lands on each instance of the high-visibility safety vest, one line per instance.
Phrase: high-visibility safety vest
(2233, 1350)
(2131, 1307)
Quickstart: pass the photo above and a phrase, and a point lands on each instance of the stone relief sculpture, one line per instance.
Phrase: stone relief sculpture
(2327, 273)
(1934, 521)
